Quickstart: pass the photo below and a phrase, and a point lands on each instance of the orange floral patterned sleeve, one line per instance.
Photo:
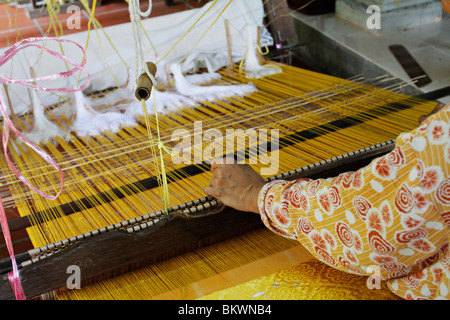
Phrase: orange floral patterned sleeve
(393, 213)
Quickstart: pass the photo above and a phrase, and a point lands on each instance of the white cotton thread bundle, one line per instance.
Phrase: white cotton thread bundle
(166, 101)
(115, 96)
(207, 93)
(202, 77)
(252, 67)
(89, 122)
(43, 129)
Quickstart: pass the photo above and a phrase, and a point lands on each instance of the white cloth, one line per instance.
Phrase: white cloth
(106, 68)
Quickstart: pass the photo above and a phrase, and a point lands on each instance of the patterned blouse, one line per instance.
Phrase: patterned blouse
(392, 216)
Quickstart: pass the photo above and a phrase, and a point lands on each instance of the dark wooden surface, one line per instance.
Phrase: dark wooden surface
(115, 250)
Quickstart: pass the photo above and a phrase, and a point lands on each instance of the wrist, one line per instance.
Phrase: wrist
(254, 197)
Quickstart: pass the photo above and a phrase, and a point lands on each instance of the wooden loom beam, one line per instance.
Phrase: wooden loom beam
(111, 251)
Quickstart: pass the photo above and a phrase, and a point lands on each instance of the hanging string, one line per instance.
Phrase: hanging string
(160, 169)
(141, 67)
(135, 17)
(206, 31)
(187, 31)
(93, 21)
(91, 17)
(14, 277)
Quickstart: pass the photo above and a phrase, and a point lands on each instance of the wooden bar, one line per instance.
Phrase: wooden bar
(112, 251)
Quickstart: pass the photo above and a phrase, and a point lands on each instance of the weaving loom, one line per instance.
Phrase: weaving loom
(111, 215)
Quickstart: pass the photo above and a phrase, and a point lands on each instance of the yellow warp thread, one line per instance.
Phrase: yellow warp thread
(53, 9)
(266, 49)
(206, 31)
(91, 17)
(115, 160)
(97, 25)
(188, 30)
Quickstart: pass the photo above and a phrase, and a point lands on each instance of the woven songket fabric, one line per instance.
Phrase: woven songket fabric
(392, 215)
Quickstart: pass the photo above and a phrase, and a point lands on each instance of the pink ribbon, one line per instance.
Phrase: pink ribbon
(14, 277)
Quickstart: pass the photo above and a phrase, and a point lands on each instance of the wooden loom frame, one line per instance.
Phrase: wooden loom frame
(111, 250)
(107, 250)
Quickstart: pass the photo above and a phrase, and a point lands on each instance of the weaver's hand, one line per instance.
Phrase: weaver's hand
(236, 186)
(436, 109)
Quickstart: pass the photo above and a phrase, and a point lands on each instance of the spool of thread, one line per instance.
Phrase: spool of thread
(144, 85)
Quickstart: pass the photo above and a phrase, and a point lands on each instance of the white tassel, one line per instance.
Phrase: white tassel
(89, 122)
(252, 67)
(43, 129)
(202, 77)
(207, 93)
(117, 95)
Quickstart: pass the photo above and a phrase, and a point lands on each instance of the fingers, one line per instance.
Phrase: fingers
(235, 185)
(436, 109)
(213, 165)
(209, 190)
(220, 173)
(213, 191)
(422, 119)
(439, 107)
(219, 170)
(213, 188)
